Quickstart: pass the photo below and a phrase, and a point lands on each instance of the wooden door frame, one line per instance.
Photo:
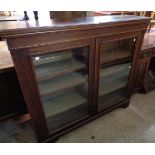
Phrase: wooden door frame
(113, 37)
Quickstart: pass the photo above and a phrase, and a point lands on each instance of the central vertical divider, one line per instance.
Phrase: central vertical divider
(96, 75)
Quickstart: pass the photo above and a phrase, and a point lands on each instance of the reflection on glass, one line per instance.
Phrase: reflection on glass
(63, 83)
(116, 50)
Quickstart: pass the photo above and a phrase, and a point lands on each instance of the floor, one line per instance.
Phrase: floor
(133, 124)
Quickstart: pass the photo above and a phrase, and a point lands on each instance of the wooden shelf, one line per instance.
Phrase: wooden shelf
(50, 86)
(61, 103)
(113, 55)
(112, 84)
(111, 98)
(53, 57)
(54, 69)
(65, 118)
(122, 68)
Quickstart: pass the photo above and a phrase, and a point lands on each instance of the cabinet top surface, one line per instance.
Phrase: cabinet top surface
(21, 27)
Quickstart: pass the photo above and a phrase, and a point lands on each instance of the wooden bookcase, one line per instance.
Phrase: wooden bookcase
(73, 72)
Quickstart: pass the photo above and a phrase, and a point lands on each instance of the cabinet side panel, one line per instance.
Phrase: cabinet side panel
(29, 87)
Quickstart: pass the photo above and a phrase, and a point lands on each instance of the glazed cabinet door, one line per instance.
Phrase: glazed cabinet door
(115, 60)
(63, 75)
(62, 78)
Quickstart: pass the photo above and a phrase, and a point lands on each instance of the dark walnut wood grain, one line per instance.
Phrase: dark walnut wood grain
(31, 39)
(21, 27)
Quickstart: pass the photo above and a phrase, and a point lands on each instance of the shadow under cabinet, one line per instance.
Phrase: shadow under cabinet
(11, 99)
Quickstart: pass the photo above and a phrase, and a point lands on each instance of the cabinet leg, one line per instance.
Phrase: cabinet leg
(141, 90)
(125, 105)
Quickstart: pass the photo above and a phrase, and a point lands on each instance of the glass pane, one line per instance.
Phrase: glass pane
(116, 50)
(114, 76)
(113, 84)
(63, 83)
